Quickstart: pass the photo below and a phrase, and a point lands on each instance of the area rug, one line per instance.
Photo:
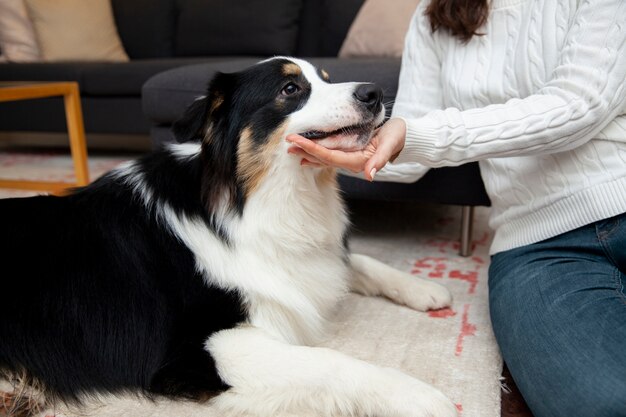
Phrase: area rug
(51, 164)
(453, 349)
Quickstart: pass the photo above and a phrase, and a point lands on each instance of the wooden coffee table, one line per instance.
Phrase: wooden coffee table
(13, 91)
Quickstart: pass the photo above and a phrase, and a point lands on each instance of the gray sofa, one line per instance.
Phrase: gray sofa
(176, 46)
(163, 34)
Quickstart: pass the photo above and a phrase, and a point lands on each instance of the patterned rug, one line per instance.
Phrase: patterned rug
(53, 165)
(453, 349)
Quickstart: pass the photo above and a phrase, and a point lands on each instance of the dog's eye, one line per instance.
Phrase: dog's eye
(290, 89)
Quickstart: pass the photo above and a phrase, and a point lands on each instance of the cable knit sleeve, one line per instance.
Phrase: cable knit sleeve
(584, 93)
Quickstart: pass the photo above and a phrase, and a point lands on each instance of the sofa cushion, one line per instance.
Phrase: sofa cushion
(337, 16)
(100, 115)
(167, 95)
(18, 42)
(76, 30)
(324, 26)
(242, 27)
(58, 71)
(146, 27)
(127, 79)
(379, 30)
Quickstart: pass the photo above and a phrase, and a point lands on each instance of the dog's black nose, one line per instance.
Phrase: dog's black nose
(370, 95)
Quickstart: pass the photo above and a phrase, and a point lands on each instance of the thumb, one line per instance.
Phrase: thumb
(380, 158)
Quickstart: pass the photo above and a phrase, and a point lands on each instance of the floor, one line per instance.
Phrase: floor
(513, 405)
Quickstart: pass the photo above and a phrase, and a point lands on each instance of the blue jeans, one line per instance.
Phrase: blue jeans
(558, 310)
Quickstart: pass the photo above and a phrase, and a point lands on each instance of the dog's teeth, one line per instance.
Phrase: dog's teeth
(348, 130)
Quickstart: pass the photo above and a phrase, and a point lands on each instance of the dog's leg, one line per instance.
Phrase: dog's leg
(372, 277)
(270, 378)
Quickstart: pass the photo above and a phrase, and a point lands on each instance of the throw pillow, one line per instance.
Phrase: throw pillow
(76, 30)
(379, 29)
(17, 36)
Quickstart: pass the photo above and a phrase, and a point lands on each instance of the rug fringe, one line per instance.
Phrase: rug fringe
(503, 386)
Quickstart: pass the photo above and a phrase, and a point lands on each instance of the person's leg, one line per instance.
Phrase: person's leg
(558, 310)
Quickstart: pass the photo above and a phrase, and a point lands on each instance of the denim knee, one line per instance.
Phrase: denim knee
(561, 327)
(603, 403)
(553, 381)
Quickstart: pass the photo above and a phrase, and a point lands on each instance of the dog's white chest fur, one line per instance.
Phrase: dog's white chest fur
(299, 249)
(286, 255)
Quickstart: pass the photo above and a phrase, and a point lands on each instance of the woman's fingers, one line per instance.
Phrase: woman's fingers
(383, 154)
(390, 141)
(387, 142)
(307, 145)
(353, 161)
(294, 150)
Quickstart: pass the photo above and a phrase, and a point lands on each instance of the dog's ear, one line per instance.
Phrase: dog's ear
(192, 125)
(205, 110)
(220, 87)
(219, 147)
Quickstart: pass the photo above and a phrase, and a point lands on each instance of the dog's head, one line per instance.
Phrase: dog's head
(243, 120)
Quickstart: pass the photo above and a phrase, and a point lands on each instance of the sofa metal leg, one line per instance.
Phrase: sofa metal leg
(467, 220)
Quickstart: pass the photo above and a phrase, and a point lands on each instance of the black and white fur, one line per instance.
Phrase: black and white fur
(212, 266)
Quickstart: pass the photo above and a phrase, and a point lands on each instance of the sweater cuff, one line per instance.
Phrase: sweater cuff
(420, 142)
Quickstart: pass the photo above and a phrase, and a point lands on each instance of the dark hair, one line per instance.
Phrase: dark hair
(462, 18)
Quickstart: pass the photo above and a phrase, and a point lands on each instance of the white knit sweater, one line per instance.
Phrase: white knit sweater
(539, 100)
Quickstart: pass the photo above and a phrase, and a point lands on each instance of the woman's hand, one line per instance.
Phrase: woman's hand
(384, 146)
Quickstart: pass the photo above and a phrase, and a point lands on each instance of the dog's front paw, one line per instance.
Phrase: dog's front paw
(414, 398)
(419, 294)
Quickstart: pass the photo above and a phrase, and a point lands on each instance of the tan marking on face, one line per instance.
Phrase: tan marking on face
(325, 75)
(253, 163)
(292, 69)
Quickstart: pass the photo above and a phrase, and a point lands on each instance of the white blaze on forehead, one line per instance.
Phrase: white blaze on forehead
(309, 71)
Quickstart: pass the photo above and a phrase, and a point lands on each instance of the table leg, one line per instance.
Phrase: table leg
(76, 131)
(467, 220)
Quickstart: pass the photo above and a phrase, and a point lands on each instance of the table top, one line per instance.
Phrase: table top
(5, 84)
(22, 90)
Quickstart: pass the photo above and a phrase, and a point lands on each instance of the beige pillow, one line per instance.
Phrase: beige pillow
(76, 30)
(18, 42)
(379, 29)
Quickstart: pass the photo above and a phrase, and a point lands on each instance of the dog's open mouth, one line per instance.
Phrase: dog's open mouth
(357, 129)
(348, 138)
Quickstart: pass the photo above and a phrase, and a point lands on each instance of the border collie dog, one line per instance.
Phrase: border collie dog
(209, 269)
